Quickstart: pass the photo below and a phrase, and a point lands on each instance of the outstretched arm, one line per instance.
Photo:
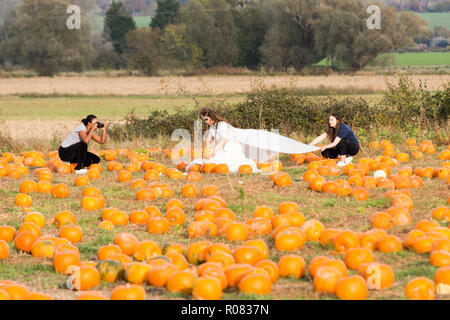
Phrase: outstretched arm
(332, 145)
(318, 139)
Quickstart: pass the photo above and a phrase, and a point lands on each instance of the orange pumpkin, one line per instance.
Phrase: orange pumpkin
(326, 278)
(119, 218)
(292, 265)
(71, 232)
(209, 190)
(158, 225)
(4, 249)
(84, 278)
(91, 295)
(43, 249)
(286, 207)
(60, 191)
(263, 212)
(159, 275)
(442, 276)
(25, 240)
(176, 216)
(189, 191)
(382, 220)
(181, 281)
(345, 240)
(7, 233)
(420, 288)
(139, 217)
(16, 291)
(207, 288)
(236, 231)
(127, 243)
(62, 218)
(28, 186)
(36, 217)
(256, 284)
(290, 239)
(315, 264)
(147, 249)
(23, 200)
(196, 252)
(351, 288)
(441, 213)
(378, 276)
(248, 254)
(440, 258)
(64, 259)
(312, 228)
(355, 257)
(282, 179)
(128, 292)
(202, 228)
(245, 169)
(389, 243)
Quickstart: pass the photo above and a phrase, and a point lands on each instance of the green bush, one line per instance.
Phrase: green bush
(404, 106)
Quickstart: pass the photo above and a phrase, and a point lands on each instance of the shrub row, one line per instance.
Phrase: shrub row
(292, 112)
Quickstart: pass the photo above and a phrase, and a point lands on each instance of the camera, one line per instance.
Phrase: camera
(100, 125)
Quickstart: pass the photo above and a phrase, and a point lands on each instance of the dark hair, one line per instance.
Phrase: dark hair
(88, 119)
(207, 112)
(333, 132)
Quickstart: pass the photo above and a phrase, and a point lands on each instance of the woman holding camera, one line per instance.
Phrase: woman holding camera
(74, 148)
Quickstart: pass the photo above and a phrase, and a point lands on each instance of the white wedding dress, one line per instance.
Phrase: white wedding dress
(245, 145)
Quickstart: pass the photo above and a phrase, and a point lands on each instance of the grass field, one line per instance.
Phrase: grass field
(25, 117)
(140, 22)
(415, 59)
(436, 19)
(44, 111)
(423, 58)
(242, 194)
(111, 108)
(203, 85)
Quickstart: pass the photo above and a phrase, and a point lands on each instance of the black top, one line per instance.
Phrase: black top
(345, 132)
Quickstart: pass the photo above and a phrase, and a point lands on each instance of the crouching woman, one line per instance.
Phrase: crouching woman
(74, 148)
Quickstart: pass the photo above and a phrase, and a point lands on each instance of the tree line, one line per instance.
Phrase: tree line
(274, 34)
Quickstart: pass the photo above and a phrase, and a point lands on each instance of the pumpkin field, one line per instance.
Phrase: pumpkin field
(136, 227)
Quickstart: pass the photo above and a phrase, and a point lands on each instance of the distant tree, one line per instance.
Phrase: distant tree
(290, 41)
(177, 51)
(251, 23)
(342, 34)
(166, 13)
(36, 37)
(143, 50)
(118, 23)
(441, 31)
(210, 26)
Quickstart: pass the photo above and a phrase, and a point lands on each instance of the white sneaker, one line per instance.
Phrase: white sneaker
(348, 159)
(81, 171)
(341, 164)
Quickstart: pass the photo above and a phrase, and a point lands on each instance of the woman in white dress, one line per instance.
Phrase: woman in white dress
(235, 147)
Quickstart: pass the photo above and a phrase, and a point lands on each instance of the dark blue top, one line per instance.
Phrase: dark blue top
(345, 132)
